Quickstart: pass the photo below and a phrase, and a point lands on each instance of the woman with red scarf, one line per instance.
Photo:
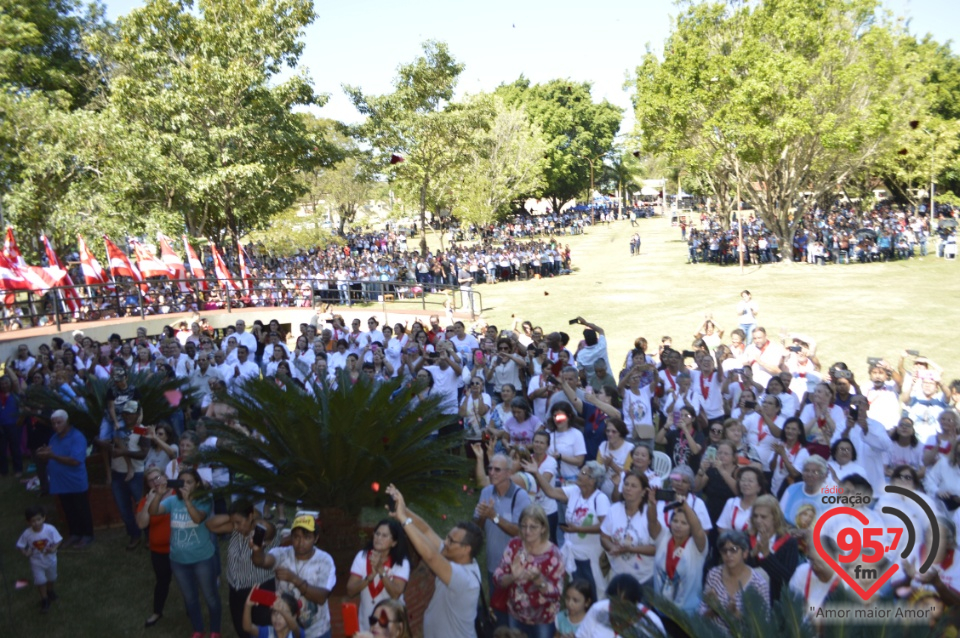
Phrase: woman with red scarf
(381, 570)
(772, 548)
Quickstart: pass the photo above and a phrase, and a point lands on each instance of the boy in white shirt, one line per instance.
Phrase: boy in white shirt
(39, 543)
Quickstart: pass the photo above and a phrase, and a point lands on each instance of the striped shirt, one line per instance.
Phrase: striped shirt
(241, 572)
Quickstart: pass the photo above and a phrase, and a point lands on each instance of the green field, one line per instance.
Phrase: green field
(853, 312)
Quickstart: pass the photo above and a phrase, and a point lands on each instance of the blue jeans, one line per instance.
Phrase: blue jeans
(748, 329)
(532, 631)
(188, 577)
(127, 494)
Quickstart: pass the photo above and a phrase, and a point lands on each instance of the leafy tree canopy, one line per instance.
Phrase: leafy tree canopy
(577, 130)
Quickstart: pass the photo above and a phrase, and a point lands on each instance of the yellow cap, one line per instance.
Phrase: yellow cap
(308, 523)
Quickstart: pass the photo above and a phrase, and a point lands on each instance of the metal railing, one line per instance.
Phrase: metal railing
(127, 298)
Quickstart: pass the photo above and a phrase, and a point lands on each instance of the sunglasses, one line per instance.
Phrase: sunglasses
(730, 550)
(716, 431)
(383, 619)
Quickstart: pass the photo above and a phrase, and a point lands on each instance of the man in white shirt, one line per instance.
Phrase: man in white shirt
(446, 370)
(883, 398)
(245, 338)
(764, 356)
(243, 369)
(200, 378)
(595, 348)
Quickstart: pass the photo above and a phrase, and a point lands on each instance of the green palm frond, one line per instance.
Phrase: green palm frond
(86, 412)
(329, 450)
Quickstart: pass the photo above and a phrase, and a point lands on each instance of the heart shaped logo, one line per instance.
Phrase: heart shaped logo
(840, 571)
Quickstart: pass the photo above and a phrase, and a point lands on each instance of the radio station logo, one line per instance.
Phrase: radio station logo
(856, 566)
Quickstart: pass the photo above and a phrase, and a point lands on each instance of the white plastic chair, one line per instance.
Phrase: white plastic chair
(950, 251)
(662, 464)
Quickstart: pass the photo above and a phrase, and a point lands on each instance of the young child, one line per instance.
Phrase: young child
(283, 619)
(576, 598)
(39, 543)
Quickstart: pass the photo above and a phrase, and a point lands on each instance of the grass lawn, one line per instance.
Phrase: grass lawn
(853, 312)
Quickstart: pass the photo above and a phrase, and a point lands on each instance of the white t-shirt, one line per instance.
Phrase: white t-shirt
(548, 466)
(568, 443)
(709, 391)
(119, 463)
(629, 531)
(814, 591)
(36, 542)
(317, 571)
(445, 383)
(369, 599)
(734, 515)
(596, 624)
(583, 512)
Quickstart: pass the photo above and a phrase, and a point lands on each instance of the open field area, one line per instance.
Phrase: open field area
(852, 311)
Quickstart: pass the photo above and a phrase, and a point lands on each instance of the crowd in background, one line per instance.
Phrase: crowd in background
(684, 466)
(841, 234)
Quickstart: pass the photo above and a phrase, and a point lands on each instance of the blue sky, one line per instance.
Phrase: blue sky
(361, 42)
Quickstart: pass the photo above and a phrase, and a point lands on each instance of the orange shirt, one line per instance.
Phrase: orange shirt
(159, 530)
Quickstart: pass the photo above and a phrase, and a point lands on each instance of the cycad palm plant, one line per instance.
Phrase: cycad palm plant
(336, 447)
(87, 410)
(786, 619)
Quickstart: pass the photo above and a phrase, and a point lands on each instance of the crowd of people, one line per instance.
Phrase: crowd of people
(362, 269)
(696, 471)
(840, 234)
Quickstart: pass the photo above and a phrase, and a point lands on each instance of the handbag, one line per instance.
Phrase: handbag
(485, 623)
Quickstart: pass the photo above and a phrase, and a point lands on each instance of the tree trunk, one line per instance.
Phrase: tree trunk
(423, 219)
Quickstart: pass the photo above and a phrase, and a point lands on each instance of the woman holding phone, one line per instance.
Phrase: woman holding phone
(244, 524)
(193, 557)
(159, 538)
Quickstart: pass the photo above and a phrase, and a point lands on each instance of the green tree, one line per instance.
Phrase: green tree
(779, 98)
(45, 76)
(346, 182)
(929, 148)
(201, 88)
(506, 162)
(579, 132)
(418, 124)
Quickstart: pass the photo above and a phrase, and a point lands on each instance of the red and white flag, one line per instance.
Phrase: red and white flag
(119, 263)
(71, 299)
(42, 279)
(196, 266)
(227, 281)
(10, 277)
(92, 272)
(173, 263)
(37, 278)
(244, 271)
(11, 251)
(147, 263)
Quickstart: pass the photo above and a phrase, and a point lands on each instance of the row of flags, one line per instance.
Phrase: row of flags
(17, 275)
